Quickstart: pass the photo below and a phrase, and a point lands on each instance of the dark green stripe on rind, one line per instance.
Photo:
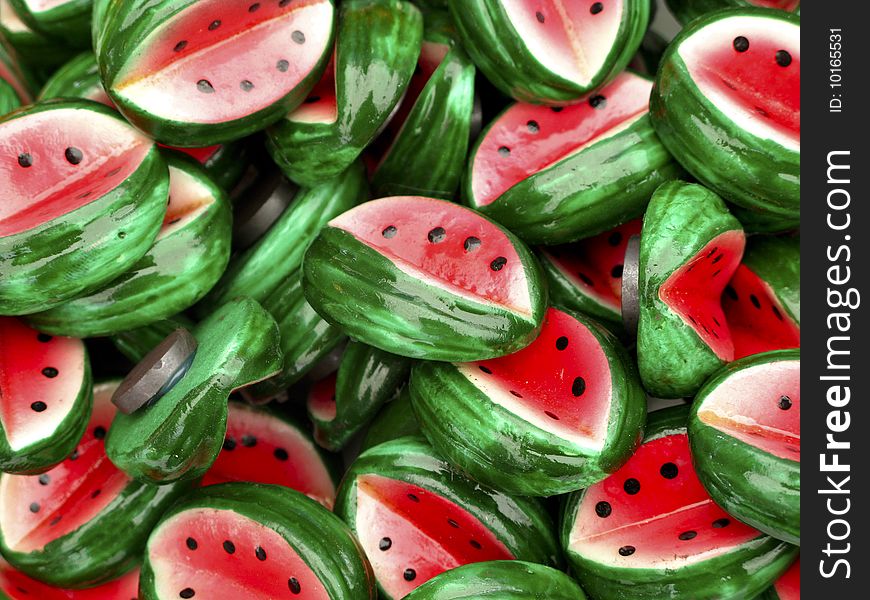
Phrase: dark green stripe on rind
(777, 261)
(755, 486)
(70, 21)
(320, 539)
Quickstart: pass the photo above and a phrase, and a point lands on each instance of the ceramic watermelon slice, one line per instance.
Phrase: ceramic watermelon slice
(737, 72)
(690, 247)
(67, 20)
(555, 175)
(178, 69)
(687, 11)
(746, 441)
(787, 587)
(245, 540)
(84, 196)
(425, 278)
(83, 507)
(15, 585)
(572, 396)
(415, 517)
(651, 531)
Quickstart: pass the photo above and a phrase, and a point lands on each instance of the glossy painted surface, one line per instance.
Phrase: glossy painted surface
(15, 585)
(321, 544)
(68, 20)
(377, 45)
(787, 587)
(689, 10)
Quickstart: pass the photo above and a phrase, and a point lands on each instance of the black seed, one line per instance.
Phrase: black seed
(249, 441)
(294, 586)
(50, 372)
(603, 509)
(471, 244)
(312, 99)
(34, 507)
(73, 155)
(389, 232)
(533, 126)
(504, 151)
(174, 221)
(25, 160)
(453, 523)
(556, 109)
(669, 470)
(784, 403)
(626, 551)
(191, 543)
(99, 432)
(578, 387)
(783, 58)
(631, 486)
(498, 263)
(486, 370)
(96, 493)
(281, 454)
(539, 16)
(298, 37)
(204, 86)
(44, 479)
(229, 547)
(720, 523)
(598, 101)
(38, 406)
(413, 498)
(74, 455)
(214, 25)
(385, 544)
(409, 574)
(230, 444)
(55, 520)
(616, 271)
(284, 3)
(732, 293)
(180, 46)
(246, 85)
(43, 337)
(585, 279)
(741, 44)
(254, 7)
(561, 343)
(186, 593)
(282, 65)
(776, 313)
(688, 535)
(553, 416)
(754, 299)
(437, 235)
(516, 393)
(717, 259)
(596, 8)
(718, 324)
(475, 544)
(615, 238)
(260, 553)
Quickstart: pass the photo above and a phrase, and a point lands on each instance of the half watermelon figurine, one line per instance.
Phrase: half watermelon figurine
(45, 397)
(690, 247)
(353, 101)
(13, 81)
(572, 396)
(253, 541)
(745, 432)
(548, 52)
(84, 522)
(84, 199)
(787, 587)
(179, 69)
(555, 175)
(651, 531)
(15, 585)
(688, 10)
(737, 73)
(425, 278)
(67, 20)
(416, 517)
(190, 253)
(179, 436)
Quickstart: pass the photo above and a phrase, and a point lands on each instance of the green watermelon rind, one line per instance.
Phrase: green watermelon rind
(480, 437)
(739, 574)
(757, 174)
(500, 53)
(564, 292)
(179, 437)
(755, 486)
(367, 379)
(41, 54)
(320, 539)
(687, 11)
(766, 220)
(396, 419)
(135, 344)
(502, 579)
(777, 261)
(175, 272)
(74, 79)
(387, 33)
(69, 22)
(680, 221)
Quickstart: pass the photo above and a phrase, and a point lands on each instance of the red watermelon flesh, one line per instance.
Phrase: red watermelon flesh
(36, 509)
(194, 58)
(561, 383)
(788, 586)
(199, 154)
(594, 265)
(189, 197)
(40, 378)
(427, 239)
(571, 38)
(528, 138)
(220, 554)
(321, 398)
(52, 186)
(261, 448)
(320, 106)
(694, 291)
(653, 513)
(18, 586)
(756, 318)
(411, 534)
(780, 4)
(761, 406)
(759, 87)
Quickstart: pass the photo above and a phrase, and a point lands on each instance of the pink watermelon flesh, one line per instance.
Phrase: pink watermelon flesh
(594, 265)
(189, 197)
(190, 69)
(694, 291)
(18, 586)
(36, 509)
(561, 383)
(261, 448)
(528, 138)
(427, 239)
(220, 554)
(321, 398)
(653, 513)
(758, 88)
(788, 586)
(52, 186)
(756, 318)
(761, 406)
(40, 378)
(320, 106)
(571, 38)
(411, 534)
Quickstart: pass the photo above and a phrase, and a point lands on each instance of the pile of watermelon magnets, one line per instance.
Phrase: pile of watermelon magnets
(426, 299)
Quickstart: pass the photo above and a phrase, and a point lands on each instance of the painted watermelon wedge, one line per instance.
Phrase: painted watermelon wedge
(586, 276)
(737, 72)
(415, 517)
(572, 396)
(430, 279)
(190, 253)
(651, 531)
(45, 397)
(690, 247)
(245, 540)
(745, 434)
(550, 51)
(66, 20)
(555, 175)
(84, 196)
(15, 585)
(176, 71)
(687, 11)
(264, 446)
(83, 507)
(787, 587)
(352, 102)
